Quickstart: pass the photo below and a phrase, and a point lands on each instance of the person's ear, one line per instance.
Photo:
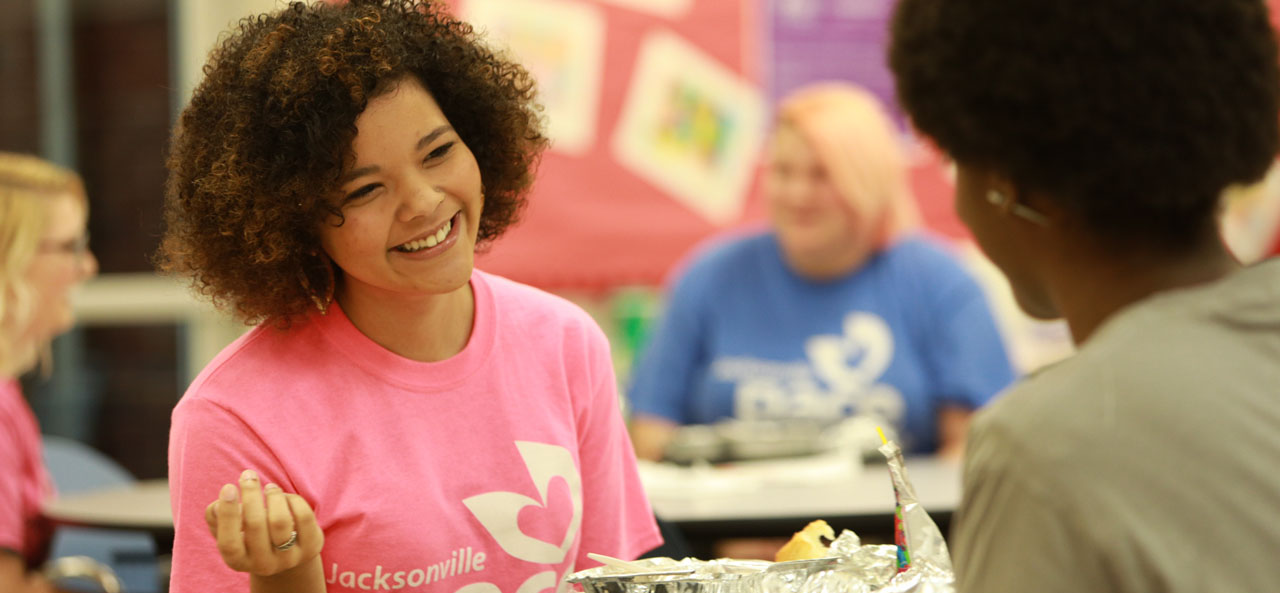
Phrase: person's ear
(1003, 194)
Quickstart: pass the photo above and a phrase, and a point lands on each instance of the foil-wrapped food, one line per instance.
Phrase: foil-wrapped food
(918, 563)
(852, 568)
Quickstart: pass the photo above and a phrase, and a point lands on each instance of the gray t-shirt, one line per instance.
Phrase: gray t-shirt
(1147, 462)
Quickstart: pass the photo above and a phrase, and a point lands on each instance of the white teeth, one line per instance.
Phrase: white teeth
(430, 241)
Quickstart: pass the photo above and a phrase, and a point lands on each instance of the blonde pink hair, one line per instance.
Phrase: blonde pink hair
(862, 151)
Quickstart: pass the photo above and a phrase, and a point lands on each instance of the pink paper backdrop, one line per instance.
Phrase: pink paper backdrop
(591, 223)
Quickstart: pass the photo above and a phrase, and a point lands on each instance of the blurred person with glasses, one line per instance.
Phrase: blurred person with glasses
(44, 254)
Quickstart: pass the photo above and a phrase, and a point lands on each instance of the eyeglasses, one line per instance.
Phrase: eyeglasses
(78, 246)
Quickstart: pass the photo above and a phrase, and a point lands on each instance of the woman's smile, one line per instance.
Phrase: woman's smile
(431, 243)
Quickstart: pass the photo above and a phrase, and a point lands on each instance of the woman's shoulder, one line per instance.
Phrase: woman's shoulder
(259, 358)
(922, 262)
(731, 247)
(922, 249)
(10, 390)
(723, 255)
(533, 307)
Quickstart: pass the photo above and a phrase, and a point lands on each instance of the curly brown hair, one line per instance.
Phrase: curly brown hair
(1133, 114)
(258, 153)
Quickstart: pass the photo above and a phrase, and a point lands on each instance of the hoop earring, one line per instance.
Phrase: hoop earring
(999, 200)
(321, 299)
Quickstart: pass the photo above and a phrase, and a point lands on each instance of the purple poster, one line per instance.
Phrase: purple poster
(811, 40)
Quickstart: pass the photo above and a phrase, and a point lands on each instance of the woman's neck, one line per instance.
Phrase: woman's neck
(829, 264)
(423, 328)
(1094, 284)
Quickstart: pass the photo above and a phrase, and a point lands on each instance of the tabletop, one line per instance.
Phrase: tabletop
(142, 505)
(757, 498)
(774, 497)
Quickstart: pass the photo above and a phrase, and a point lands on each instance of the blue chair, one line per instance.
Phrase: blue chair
(77, 467)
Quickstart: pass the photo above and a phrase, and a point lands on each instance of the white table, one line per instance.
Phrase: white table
(147, 298)
(779, 498)
(140, 506)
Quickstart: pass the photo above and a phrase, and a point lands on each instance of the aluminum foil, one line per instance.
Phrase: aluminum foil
(928, 549)
(856, 569)
(666, 575)
(851, 567)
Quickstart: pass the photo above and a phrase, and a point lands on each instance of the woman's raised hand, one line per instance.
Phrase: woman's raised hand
(263, 531)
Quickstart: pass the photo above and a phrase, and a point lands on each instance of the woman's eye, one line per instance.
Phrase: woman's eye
(440, 151)
(362, 192)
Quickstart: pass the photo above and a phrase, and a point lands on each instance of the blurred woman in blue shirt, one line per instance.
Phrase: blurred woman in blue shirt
(841, 308)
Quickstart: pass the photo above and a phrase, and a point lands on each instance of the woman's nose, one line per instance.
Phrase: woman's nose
(422, 201)
(88, 265)
(794, 190)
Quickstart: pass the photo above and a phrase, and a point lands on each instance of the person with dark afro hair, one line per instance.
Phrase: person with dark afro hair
(1093, 140)
(395, 409)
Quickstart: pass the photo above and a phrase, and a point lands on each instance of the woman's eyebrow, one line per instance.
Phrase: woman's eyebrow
(432, 135)
(354, 173)
(422, 142)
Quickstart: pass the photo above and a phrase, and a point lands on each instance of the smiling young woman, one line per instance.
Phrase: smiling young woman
(396, 411)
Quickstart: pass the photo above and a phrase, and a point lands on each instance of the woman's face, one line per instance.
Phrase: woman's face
(810, 217)
(62, 261)
(411, 202)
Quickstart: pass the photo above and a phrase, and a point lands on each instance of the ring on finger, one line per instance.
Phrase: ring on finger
(293, 539)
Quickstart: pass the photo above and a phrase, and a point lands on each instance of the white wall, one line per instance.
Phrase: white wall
(197, 27)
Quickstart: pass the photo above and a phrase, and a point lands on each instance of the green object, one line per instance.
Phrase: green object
(634, 310)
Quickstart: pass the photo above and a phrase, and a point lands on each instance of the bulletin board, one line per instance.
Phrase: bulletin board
(656, 119)
(658, 110)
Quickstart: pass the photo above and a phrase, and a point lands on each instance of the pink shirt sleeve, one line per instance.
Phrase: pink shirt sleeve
(618, 520)
(12, 511)
(24, 481)
(208, 447)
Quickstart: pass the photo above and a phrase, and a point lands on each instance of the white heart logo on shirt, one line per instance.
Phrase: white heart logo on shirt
(499, 512)
(856, 359)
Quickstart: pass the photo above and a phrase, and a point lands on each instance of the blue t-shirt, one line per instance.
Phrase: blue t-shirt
(744, 336)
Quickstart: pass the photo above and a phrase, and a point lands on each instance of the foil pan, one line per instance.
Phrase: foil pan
(865, 569)
(856, 569)
(674, 576)
(919, 563)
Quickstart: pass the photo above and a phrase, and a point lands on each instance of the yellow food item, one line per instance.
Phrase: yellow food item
(807, 544)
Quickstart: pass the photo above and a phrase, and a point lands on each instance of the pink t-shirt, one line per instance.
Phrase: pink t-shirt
(494, 471)
(24, 481)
